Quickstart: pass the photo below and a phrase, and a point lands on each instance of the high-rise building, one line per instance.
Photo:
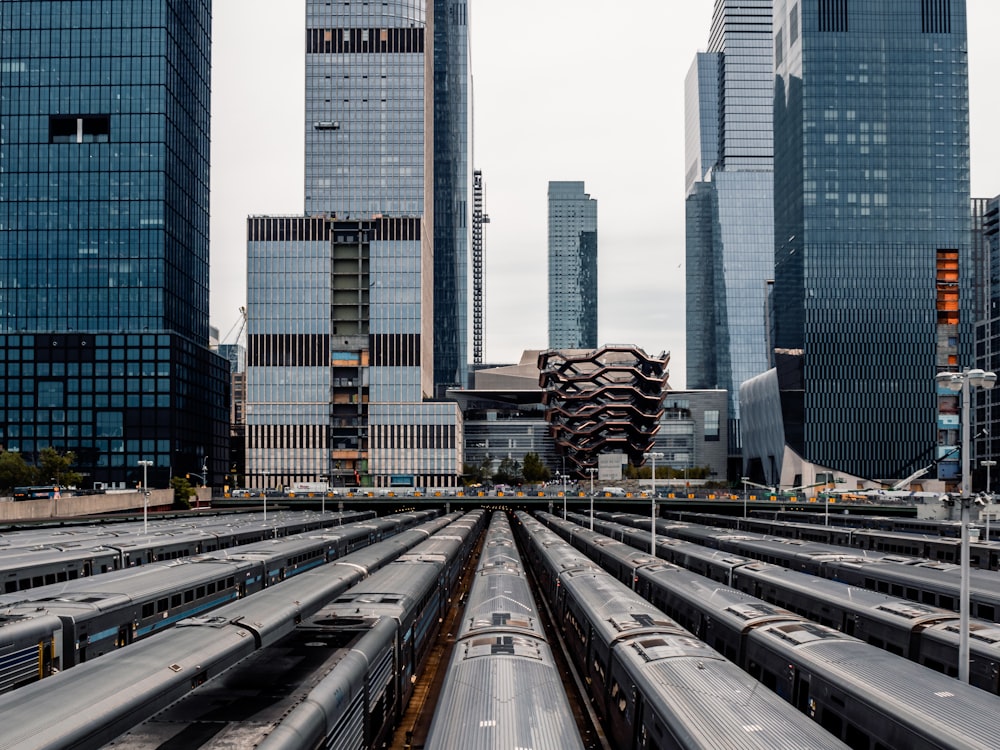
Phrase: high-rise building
(729, 202)
(572, 267)
(452, 186)
(340, 301)
(104, 194)
(872, 286)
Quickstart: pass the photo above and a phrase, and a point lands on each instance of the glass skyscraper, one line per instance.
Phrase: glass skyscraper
(340, 302)
(729, 202)
(572, 267)
(104, 185)
(452, 183)
(872, 225)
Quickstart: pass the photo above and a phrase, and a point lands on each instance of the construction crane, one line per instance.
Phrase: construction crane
(239, 326)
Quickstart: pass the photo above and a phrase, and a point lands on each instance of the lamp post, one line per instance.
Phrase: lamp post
(964, 382)
(652, 503)
(564, 477)
(591, 471)
(744, 480)
(266, 488)
(145, 496)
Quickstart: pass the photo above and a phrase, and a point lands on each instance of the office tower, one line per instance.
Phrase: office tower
(872, 225)
(452, 184)
(340, 301)
(986, 277)
(572, 267)
(104, 183)
(729, 202)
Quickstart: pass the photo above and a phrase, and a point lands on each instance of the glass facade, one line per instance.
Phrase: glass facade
(340, 324)
(872, 222)
(729, 203)
(572, 267)
(104, 238)
(452, 181)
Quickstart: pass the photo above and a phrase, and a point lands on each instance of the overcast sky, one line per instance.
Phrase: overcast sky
(564, 90)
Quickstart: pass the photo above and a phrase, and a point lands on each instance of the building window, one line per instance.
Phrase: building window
(712, 425)
(79, 129)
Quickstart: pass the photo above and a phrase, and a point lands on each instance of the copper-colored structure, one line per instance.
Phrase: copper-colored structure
(602, 401)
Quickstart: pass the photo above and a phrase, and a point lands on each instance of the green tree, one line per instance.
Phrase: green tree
(534, 469)
(14, 471)
(182, 492)
(509, 471)
(477, 473)
(54, 467)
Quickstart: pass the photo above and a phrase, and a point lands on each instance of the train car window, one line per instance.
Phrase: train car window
(912, 594)
(946, 602)
(231, 581)
(857, 739)
(189, 596)
(36, 581)
(897, 590)
(61, 576)
(147, 610)
(927, 597)
(175, 600)
(831, 723)
(161, 605)
(210, 589)
(199, 592)
(986, 612)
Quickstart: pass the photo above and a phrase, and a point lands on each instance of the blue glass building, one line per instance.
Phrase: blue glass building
(729, 203)
(572, 267)
(872, 225)
(340, 301)
(452, 183)
(104, 180)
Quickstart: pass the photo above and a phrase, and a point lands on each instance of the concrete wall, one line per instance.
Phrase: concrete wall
(84, 505)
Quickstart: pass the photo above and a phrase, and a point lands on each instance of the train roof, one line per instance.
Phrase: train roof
(955, 714)
(727, 711)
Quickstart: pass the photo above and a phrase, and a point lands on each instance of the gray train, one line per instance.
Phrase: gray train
(70, 557)
(923, 633)
(392, 619)
(651, 682)
(94, 703)
(866, 696)
(51, 628)
(925, 581)
(938, 541)
(502, 687)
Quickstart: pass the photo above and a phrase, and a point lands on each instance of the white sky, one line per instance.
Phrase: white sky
(586, 90)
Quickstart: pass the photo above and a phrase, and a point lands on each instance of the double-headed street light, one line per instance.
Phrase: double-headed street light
(963, 382)
(145, 495)
(652, 503)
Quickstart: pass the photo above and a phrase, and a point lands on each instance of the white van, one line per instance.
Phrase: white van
(614, 491)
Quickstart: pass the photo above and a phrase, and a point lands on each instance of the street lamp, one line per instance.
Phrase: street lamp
(266, 488)
(145, 496)
(744, 480)
(591, 471)
(564, 477)
(652, 503)
(964, 382)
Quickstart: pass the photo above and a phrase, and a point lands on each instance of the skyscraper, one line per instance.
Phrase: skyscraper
(104, 178)
(340, 301)
(872, 224)
(572, 267)
(729, 202)
(452, 185)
